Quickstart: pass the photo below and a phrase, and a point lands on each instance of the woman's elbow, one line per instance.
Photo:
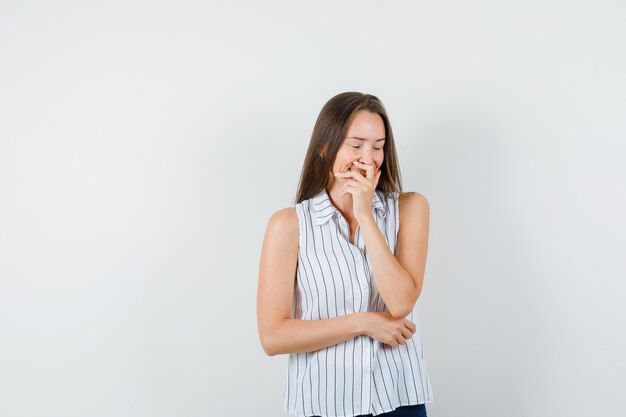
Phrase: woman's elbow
(268, 345)
(400, 313)
(272, 340)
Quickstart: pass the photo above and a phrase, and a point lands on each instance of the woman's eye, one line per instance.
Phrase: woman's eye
(357, 147)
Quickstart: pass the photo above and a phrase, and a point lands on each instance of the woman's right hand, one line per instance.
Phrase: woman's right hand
(385, 328)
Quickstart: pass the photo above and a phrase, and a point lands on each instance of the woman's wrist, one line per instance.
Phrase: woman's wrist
(366, 220)
(362, 323)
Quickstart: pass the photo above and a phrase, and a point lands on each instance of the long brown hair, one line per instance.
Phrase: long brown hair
(328, 135)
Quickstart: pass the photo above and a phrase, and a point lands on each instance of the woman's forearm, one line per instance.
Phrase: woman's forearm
(295, 335)
(394, 283)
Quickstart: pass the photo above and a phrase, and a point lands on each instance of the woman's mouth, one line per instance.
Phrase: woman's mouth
(360, 171)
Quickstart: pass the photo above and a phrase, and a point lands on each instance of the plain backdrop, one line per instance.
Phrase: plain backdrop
(145, 144)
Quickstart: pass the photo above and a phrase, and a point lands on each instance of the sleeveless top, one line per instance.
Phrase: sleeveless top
(333, 278)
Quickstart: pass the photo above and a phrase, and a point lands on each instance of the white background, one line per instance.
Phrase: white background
(144, 145)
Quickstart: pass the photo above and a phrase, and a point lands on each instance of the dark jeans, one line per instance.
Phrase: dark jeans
(418, 410)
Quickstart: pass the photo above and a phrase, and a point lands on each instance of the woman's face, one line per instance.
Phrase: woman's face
(364, 142)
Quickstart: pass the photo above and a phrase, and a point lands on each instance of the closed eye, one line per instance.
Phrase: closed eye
(357, 147)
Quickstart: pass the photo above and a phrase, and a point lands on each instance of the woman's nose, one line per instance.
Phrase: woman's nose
(366, 157)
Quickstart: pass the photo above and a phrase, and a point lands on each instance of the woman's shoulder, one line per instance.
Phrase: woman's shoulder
(411, 196)
(284, 221)
(413, 203)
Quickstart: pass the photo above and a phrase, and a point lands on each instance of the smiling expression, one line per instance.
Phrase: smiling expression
(364, 142)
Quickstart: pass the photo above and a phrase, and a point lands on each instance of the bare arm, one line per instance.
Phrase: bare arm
(293, 335)
(399, 279)
(279, 333)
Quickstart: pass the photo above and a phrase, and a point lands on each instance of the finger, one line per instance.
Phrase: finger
(369, 169)
(350, 182)
(391, 342)
(352, 175)
(407, 333)
(410, 325)
(348, 188)
(400, 339)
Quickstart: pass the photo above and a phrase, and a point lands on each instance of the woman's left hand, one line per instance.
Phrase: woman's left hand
(361, 187)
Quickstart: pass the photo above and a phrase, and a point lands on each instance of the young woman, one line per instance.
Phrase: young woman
(341, 271)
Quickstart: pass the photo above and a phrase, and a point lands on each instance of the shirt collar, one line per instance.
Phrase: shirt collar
(324, 208)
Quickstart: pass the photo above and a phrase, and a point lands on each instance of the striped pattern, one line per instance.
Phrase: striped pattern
(333, 278)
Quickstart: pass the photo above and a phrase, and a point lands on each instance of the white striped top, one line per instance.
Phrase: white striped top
(334, 278)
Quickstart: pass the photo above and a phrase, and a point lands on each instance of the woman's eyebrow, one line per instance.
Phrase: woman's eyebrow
(355, 137)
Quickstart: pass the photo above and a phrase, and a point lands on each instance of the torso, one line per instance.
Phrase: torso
(333, 278)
